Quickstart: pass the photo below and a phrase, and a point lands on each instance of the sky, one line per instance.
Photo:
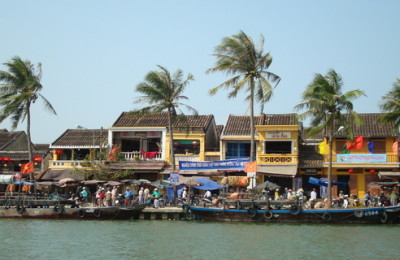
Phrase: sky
(94, 52)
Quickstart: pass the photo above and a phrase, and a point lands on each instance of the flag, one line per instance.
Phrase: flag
(322, 148)
(357, 143)
(250, 167)
(27, 168)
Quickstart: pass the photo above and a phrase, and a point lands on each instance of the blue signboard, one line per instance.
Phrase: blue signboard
(361, 158)
(174, 177)
(234, 164)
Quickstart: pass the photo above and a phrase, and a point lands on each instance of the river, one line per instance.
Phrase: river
(147, 239)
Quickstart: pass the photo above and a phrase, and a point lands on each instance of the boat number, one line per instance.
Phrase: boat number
(371, 213)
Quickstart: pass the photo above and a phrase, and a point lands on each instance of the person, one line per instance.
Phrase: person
(84, 194)
(114, 196)
(184, 193)
(128, 196)
(313, 195)
(156, 196)
(276, 194)
(141, 195)
(108, 197)
(207, 195)
(146, 194)
(367, 199)
(393, 198)
(102, 195)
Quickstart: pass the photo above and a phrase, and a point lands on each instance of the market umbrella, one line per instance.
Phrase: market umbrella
(113, 183)
(140, 182)
(267, 185)
(92, 182)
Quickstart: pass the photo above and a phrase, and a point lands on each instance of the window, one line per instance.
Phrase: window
(237, 150)
(379, 146)
(186, 146)
(278, 147)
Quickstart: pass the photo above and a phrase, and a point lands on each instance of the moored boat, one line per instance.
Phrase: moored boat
(63, 209)
(292, 212)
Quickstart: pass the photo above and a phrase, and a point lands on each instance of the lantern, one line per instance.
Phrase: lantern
(351, 171)
(176, 143)
(194, 143)
(372, 171)
(124, 133)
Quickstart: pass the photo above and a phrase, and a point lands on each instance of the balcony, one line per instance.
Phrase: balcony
(277, 159)
(187, 157)
(142, 155)
(68, 164)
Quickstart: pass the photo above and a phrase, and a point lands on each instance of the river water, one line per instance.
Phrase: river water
(156, 239)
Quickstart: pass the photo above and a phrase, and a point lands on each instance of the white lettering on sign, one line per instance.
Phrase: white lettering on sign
(275, 135)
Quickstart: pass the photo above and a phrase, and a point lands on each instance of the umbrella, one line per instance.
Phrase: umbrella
(92, 182)
(66, 180)
(46, 183)
(113, 183)
(140, 182)
(267, 185)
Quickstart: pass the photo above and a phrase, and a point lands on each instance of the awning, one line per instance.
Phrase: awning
(388, 175)
(277, 170)
(56, 175)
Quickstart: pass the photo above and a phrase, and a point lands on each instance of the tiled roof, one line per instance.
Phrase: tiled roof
(127, 119)
(219, 128)
(240, 125)
(42, 147)
(372, 127)
(7, 137)
(21, 155)
(81, 137)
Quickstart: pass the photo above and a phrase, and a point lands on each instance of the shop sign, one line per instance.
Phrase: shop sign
(277, 135)
(361, 158)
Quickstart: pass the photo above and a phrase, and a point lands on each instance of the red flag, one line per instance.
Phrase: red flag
(357, 143)
(27, 168)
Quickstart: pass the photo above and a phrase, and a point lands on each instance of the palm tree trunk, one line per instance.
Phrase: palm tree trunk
(329, 188)
(252, 141)
(171, 140)
(28, 133)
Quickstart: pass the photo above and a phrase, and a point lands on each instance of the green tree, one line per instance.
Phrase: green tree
(391, 105)
(248, 64)
(163, 91)
(329, 109)
(19, 89)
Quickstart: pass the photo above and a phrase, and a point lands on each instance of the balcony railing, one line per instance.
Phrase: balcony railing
(187, 157)
(69, 164)
(278, 159)
(142, 155)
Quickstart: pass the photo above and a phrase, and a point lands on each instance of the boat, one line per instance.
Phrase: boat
(63, 209)
(286, 211)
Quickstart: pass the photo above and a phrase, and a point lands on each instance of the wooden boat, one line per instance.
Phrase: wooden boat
(247, 210)
(63, 209)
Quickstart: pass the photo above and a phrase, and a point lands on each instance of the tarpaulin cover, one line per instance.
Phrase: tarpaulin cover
(208, 184)
(324, 183)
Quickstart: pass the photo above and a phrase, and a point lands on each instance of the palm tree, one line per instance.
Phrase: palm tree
(19, 89)
(391, 105)
(163, 91)
(238, 56)
(329, 108)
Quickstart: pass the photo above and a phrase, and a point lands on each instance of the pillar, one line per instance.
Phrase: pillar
(361, 185)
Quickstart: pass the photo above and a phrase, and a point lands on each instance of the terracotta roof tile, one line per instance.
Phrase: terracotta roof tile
(81, 137)
(127, 119)
(240, 125)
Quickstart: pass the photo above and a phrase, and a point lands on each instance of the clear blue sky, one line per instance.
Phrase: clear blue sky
(94, 53)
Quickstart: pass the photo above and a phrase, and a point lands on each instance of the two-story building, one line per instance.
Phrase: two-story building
(144, 142)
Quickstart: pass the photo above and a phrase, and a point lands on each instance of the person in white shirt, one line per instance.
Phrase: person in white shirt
(207, 195)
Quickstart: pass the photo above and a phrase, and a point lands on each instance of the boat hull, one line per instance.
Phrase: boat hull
(376, 215)
(86, 213)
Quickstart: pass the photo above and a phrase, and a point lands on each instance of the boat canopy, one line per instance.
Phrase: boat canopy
(208, 184)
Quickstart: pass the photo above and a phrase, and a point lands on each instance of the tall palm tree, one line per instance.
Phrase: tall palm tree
(163, 91)
(239, 56)
(20, 88)
(329, 108)
(391, 105)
